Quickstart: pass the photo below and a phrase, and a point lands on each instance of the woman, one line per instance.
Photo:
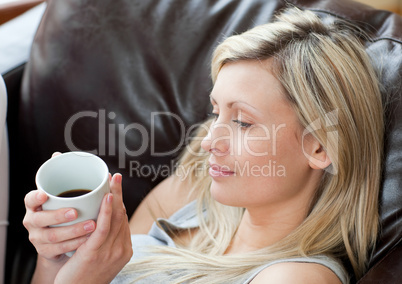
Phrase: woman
(294, 154)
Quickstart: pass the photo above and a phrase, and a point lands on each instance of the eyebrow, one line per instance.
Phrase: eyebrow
(230, 104)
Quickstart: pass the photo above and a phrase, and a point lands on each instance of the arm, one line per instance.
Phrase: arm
(165, 199)
(46, 270)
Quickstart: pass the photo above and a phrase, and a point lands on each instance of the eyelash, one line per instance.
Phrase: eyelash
(241, 123)
(214, 115)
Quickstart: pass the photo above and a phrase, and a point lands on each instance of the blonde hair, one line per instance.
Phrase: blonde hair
(328, 78)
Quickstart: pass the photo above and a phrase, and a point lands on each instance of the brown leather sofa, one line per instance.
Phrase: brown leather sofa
(127, 79)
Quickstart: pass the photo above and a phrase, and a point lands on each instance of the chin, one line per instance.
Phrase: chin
(224, 194)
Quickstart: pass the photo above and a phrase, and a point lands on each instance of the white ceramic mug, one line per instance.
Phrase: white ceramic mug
(72, 171)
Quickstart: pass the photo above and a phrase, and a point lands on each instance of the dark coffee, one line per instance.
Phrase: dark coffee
(74, 192)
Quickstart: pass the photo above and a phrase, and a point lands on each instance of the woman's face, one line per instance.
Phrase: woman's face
(255, 140)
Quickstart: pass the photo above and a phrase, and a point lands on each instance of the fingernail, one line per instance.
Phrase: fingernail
(40, 196)
(117, 178)
(110, 198)
(70, 214)
(89, 226)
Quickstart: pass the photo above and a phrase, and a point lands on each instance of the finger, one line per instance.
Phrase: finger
(116, 189)
(62, 234)
(56, 154)
(35, 199)
(103, 224)
(119, 214)
(115, 185)
(53, 217)
(54, 250)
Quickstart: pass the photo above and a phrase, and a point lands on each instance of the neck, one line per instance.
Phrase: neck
(259, 229)
(263, 226)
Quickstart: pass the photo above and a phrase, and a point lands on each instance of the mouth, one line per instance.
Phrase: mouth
(220, 171)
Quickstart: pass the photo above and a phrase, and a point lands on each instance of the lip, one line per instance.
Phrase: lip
(219, 171)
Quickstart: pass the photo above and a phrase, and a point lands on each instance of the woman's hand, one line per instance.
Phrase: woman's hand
(53, 243)
(98, 257)
(108, 249)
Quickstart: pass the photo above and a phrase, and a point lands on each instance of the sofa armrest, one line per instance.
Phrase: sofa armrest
(17, 37)
(11, 10)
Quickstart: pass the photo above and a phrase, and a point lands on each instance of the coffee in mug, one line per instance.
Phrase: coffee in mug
(74, 192)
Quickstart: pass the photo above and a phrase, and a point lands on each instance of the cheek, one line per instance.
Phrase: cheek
(290, 149)
(252, 144)
(262, 140)
(277, 154)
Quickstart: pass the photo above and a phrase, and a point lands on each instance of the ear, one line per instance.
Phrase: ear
(319, 158)
(316, 155)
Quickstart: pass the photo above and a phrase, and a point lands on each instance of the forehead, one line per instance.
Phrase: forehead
(248, 80)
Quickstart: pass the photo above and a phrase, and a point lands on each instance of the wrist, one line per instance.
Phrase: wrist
(47, 269)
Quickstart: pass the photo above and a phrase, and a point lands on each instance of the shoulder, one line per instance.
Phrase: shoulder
(296, 272)
(165, 199)
(169, 196)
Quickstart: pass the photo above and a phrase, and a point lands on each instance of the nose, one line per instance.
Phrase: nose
(218, 139)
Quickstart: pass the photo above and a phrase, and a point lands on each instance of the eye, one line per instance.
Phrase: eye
(213, 115)
(242, 124)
